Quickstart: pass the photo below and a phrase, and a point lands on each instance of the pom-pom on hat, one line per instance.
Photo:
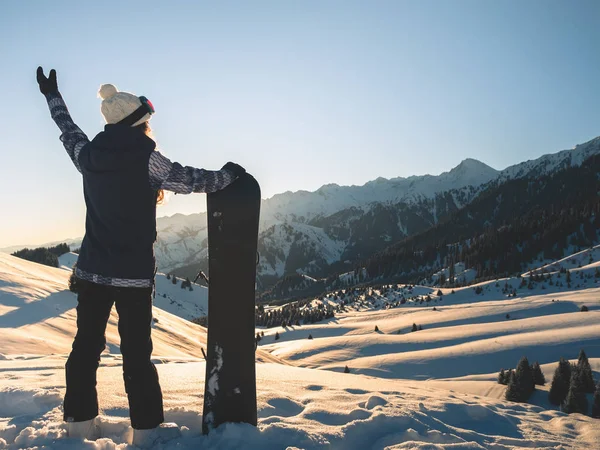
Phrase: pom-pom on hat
(117, 105)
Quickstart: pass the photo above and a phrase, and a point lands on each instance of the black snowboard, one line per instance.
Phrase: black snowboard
(230, 383)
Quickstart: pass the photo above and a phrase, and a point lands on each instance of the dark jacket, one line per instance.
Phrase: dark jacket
(121, 205)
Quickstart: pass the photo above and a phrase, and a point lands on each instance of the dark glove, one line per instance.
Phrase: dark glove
(47, 85)
(235, 168)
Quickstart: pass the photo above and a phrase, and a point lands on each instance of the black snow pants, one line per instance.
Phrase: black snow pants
(134, 306)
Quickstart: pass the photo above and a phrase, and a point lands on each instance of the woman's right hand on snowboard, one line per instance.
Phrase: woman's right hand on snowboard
(236, 169)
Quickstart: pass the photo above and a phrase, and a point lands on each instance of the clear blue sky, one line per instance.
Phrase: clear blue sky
(300, 93)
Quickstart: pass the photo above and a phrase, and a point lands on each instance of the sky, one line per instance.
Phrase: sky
(301, 94)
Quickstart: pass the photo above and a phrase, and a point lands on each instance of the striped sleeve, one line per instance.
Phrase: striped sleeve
(72, 137)
(174, 177)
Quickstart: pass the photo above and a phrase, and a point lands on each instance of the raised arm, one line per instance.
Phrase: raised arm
(174, 177)
(72, 137)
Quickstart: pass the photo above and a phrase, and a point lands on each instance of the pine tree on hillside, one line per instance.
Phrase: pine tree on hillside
(560, 382)
(575, 402)
(538, 376)
(276, 336)
(414, 327)
(346, 369)
(502, 377)
(524, 378)
(596, 405)
(586, 374)
(512, 391)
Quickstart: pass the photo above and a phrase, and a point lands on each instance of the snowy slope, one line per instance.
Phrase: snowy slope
(580, 260)
(550, 163)
(169, 297)
(311, 243)
(307, 408)
(465, 333)
(37, 316)
(68, 260)
(181, 302)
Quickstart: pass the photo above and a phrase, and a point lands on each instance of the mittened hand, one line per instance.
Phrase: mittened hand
(235, 168)
(47, 85)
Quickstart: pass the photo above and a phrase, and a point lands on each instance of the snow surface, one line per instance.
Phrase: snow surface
(432, 389)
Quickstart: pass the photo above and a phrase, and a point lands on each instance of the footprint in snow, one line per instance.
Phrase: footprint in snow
(356, 391)
(329, 418)
(314, 387)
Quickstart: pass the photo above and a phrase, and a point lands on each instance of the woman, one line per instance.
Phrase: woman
(123, 179)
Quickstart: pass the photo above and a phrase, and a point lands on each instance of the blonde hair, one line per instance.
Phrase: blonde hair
(145, 128)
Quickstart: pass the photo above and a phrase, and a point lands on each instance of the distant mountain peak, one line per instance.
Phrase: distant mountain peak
(471, 164)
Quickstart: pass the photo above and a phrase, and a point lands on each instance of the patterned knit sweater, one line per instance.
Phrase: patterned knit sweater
(163, 174)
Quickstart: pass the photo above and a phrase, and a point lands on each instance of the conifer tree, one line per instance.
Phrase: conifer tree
(276, 336)
(502, 377)
(512, 391)
(538, 376)
(560, 382)
(575, 402)
(414, 327)
(346, 369)
(596, 404)
(524, 378)
(585, 372)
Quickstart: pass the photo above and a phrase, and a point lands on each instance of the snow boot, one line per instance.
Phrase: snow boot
(161, 434)
(88, 429)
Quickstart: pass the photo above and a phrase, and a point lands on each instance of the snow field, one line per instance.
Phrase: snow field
(433, 389)
(303, 408)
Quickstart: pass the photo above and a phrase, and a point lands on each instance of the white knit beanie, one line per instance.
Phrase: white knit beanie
(118, 105)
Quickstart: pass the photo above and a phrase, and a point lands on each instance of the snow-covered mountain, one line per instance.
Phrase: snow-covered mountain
(303, 206)
(551, 163)
(317, 232)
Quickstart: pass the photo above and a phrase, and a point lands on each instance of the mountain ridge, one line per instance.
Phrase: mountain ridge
(328, 230)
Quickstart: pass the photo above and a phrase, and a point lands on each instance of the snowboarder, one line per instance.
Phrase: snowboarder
(124, 178)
